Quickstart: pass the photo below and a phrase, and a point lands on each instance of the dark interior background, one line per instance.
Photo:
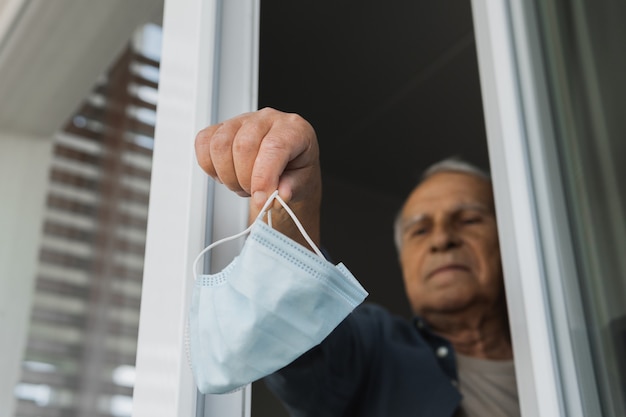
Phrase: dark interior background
(390, 87)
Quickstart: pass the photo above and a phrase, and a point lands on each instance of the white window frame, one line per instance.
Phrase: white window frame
(536, 370)
(554, 379)
(209, 72)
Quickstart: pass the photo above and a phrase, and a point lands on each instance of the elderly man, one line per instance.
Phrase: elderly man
(455, 357)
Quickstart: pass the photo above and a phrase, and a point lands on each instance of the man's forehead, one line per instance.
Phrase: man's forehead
(414, 213)
(450, 192)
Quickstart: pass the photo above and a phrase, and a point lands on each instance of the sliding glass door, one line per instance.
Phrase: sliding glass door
(552, 90)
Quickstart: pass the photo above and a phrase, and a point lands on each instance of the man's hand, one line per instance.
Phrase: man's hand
(256, 153)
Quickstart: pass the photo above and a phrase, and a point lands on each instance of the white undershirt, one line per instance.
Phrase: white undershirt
(488, 387)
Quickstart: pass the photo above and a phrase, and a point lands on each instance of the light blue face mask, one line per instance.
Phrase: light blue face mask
(271, 304)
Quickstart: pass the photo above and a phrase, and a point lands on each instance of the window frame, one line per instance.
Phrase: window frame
(553, 362)
(209, 72)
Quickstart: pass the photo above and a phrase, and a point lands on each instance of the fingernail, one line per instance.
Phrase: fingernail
(260, 197)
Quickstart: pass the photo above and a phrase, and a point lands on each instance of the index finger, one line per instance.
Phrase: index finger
(288, 139)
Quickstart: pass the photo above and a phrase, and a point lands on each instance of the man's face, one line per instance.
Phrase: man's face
(450, 255)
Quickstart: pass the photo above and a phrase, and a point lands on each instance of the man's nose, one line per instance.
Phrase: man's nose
(444, 238)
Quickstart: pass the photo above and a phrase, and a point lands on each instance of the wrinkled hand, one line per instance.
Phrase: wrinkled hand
(256, 153)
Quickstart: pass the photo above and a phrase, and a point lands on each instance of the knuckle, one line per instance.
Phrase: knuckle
(203, 137)
(294, 118)
(266, 111)
(220, 141)
(260, 181)
(276, 145)
(246, 143)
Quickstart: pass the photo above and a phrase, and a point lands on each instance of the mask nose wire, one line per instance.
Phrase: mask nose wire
(271, 198)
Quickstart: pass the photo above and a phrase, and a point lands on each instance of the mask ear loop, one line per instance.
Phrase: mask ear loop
(269, 221)
(295, 220)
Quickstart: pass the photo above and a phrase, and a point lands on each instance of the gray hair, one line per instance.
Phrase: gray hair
(453, 164)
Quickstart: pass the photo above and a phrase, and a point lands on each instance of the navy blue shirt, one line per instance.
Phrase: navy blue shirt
(373, 364)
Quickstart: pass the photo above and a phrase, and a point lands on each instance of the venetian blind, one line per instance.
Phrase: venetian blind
(80, 354)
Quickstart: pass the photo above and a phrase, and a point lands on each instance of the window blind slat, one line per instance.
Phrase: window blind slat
(55, 286)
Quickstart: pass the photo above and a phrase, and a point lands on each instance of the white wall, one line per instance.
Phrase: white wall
(24, 164)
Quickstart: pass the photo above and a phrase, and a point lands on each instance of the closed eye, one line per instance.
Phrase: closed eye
(415, 231)
(418, 231)
(471, 220)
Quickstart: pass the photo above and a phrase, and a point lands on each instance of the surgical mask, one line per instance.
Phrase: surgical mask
(272, 303)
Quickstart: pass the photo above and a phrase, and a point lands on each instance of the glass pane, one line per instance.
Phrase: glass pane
(390, 88)
(584, 50)
(81, 345)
